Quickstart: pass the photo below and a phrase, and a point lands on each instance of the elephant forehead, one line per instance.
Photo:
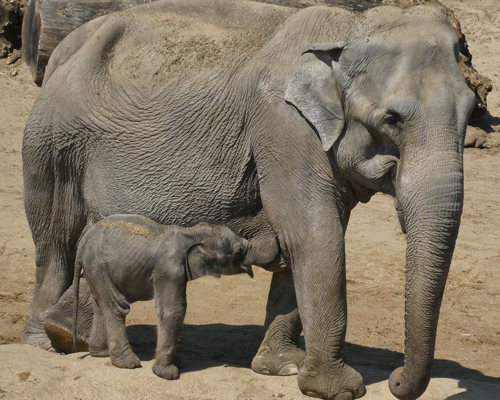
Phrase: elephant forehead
(430, 41)
(433, 30)
(417, 41)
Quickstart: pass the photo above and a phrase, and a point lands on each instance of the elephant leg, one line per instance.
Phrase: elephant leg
(120, 352)
(56, 217)
(170, 302)
(98, 342)
(279, 353)
(59, 321)
(308, 214)
(50, 323)
(114, 307)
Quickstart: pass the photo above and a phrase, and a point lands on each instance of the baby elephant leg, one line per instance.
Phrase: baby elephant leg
(114, 307)
(98, 342)
(170, 302)
(120, 352)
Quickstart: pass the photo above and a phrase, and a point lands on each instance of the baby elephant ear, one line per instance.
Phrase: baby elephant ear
(198, 262)
(314, 91)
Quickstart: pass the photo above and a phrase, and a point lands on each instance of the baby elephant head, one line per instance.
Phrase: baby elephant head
(219, 251)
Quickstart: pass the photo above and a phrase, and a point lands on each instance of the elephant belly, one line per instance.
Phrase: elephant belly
(170, 193)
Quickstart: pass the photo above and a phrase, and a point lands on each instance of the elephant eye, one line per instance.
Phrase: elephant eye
(393, 119)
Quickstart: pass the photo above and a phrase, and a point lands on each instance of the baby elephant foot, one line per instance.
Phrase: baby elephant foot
(286, 361)
(127, 360)
(169, 371)
(340, 383)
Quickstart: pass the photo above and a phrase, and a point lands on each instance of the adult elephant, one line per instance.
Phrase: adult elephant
(276, 122)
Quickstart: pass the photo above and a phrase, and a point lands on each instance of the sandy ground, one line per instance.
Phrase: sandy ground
(225, 317)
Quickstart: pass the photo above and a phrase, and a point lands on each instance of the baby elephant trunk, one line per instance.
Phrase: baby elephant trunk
(261, 252)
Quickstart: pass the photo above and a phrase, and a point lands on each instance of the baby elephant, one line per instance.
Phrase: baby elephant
(127, 258)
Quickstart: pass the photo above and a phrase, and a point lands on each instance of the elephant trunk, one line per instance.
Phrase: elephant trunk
(430, 193)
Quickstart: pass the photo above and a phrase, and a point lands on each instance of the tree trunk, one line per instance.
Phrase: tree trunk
(47, 22)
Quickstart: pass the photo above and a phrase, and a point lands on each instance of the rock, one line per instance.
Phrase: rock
(13, 57)
(475, 138)
(11, 17)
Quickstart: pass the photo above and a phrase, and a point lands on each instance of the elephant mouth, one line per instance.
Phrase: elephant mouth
(385, 167)
(248, 270)
(377, 174)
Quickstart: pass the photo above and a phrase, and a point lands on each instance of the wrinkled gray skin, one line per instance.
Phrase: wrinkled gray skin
(316, 115)
(129, 258)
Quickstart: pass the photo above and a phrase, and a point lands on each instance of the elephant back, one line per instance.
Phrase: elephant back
(170, 39)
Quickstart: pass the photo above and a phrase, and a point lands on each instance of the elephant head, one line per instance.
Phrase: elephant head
(391, 106)
(218, 251)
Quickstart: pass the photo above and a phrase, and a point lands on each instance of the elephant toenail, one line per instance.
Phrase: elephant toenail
(288, 369)
(265, 371)
(311, 394)
(344, 396)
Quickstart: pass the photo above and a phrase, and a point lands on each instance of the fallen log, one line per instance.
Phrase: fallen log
(47, 22)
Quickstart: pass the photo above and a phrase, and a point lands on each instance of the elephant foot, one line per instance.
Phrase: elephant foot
(169, 371)
(279, 353)
(59, 320)
(332, 383)
(35, 335)
(126, 360)
(282, 362)
(62, 338)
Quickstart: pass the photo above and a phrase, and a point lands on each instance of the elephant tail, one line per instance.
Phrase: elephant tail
(76, 289)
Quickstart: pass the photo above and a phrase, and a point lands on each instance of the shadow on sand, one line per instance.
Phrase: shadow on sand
(486, 123)
(235, 346)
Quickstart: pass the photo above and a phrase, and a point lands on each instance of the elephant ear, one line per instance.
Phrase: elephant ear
(314, 91)
(198, 262)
